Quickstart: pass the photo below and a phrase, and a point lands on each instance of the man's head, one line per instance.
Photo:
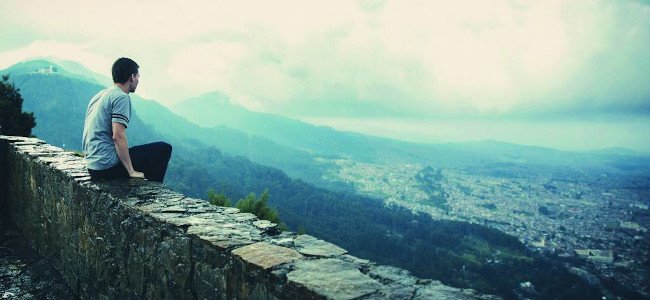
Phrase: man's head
(125, 72)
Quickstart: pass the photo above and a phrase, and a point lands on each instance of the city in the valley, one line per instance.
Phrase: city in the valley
(597, 222)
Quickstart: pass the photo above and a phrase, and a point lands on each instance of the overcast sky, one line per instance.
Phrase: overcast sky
(423, 60)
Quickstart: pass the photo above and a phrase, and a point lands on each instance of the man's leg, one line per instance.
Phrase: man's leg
(151, 159)
(115, 172)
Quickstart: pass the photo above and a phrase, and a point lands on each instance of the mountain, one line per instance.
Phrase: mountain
(52, 67)
(78, 69)
(457, 253)
(216, 109)
(259, 149)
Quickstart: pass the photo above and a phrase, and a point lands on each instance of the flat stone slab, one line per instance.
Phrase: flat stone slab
(266, 255)
(54, 159)
(437, 290)
(263, 224)
(231, 210)
(12, 138)
(224, 237)
(333, 278)
(243, 217)
(173, 209)
(309, 245)
(226, 242)
(393, 274)
(267, 227)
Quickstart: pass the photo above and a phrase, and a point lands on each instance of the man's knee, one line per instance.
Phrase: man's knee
(166, 148)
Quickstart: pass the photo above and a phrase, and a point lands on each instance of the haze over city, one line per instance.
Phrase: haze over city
(562, 74)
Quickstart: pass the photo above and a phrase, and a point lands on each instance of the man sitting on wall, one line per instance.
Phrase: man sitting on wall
(108, 155)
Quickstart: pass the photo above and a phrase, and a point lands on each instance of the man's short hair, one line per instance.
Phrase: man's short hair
(123, 68)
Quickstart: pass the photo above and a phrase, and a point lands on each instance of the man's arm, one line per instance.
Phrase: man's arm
(122, 147)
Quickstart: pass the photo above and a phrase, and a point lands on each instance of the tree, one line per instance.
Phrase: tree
(259, 207)
(251, 204)
(13, 121)
(218, 199)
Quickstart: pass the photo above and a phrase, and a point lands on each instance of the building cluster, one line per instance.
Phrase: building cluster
(596, 221)
(48, 70)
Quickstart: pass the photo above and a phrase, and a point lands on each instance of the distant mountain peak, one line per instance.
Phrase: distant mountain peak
(54, 66)
(34, 66)
(217, 97)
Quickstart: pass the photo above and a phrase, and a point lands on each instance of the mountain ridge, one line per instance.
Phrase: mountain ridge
(62, 67)
(277, 128)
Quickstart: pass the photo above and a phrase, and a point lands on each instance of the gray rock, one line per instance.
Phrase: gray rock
(263, 224)
(437, 290)
(266, 255)
(231, 210)
(309, 245)
(243, 217)
(283, 241)
(390, 274)
(333, 278)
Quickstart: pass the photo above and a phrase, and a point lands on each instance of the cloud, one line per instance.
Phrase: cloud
(67, 51)
(423, 59)
(433, 59)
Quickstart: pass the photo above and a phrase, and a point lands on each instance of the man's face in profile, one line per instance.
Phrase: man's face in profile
(135, 79)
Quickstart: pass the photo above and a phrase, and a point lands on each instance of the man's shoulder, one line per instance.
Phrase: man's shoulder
(115, 92)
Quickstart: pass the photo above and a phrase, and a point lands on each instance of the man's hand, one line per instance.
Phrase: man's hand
(136, 174)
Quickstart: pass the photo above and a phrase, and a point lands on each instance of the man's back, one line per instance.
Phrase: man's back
(108, 155)
(107, 106)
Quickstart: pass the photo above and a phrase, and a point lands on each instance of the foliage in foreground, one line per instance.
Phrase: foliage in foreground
(13, 121)
(251, 204)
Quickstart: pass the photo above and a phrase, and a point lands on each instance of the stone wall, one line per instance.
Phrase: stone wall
(137, 239)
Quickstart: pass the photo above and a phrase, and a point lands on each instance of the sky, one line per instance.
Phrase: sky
(576, 73)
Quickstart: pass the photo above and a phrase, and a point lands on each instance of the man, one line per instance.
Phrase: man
(104, 138)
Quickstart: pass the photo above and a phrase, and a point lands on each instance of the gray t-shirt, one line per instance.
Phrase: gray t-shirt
(109, 105)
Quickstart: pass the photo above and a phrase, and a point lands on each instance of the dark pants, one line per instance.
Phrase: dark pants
(150, 159)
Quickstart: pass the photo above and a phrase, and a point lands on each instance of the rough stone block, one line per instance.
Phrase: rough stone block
(333, 278)
(266, 255)
(309, 245)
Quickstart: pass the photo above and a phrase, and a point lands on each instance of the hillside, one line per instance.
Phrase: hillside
(216, 109)
(65, 68)
(295, 162)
